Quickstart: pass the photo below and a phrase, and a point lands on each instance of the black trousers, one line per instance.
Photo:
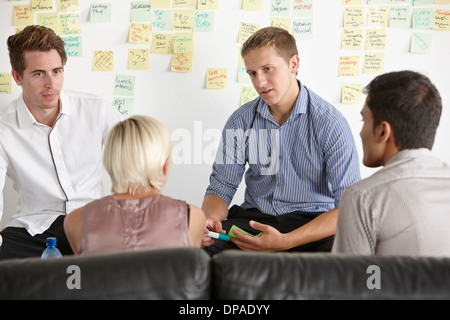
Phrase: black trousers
(284, 223)
(18, 243)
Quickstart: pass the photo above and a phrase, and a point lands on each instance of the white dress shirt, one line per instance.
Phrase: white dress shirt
(403, 209)
(55, 170)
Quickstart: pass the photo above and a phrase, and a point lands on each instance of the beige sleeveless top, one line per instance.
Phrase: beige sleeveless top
(117, 225)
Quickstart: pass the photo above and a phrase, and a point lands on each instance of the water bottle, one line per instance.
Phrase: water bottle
(51, 252)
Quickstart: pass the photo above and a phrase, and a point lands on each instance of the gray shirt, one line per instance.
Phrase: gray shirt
(403, 209)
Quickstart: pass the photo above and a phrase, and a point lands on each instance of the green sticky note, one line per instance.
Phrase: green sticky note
(231, 234)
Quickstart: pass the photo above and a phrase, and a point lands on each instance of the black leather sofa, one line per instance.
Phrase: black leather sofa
(191, 274)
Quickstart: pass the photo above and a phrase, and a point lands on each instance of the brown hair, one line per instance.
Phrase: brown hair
(279, 39)
(33, 38)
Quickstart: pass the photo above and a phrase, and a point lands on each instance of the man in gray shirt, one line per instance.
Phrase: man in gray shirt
(404, 208)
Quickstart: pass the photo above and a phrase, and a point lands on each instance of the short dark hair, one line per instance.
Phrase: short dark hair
(410, 103)
(33, 38)
(278, 38)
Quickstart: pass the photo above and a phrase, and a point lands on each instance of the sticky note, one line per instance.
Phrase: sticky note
(204, 21)
(421, 43)
(139, 33)
(248, 93)
(124, 85)
(207, 4)
(236, 228)
(5, 83)
(100, 12)
(70, 23)
(280, 22)
(183, 42)
(182, 62)
(73, 46)
(256, 5)
(400, 17)
(140, 11)
(138, 59)
(242, 75)
(374, 62)
(352, 93)
(103, 60)
(441, 20)
(184, 3)
(350, 2)
(68, 5)
(302, 8)
(349, 66)
(124, 105)
(161, 4)
(216, 78)
(246, 30)
(41, 5)
(378, 16)
(49, 20)
(162, 43)
(375, 39)
(22, 15)
(302, 29)
(422, 18)
(354, 17)
(161, 20)
(280, 8)
(183, 20)
(352, 38)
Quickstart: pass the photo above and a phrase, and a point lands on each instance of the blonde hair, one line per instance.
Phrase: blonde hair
(135, 154)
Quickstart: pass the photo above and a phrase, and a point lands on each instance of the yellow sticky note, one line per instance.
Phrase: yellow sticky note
(183, 3)
(378, 16)
(68, 5)
(161, 4)
(207, 4)
(139, 33)
(22, 15)
(375, 39)
(252, 4)
(182, 62)
(162, 43)
(49, 20)
(280, 22)
(183, 20)
(346, 2)
(352, 93)
(349, 66)
(441, 20)
(5, 83)
(138, 59)
(70, 23)
(216, 78)
(246, 30)
(41, 5)
(103, 60)
(183, 42)
(352, 38)
(353, 17)
(374, 62)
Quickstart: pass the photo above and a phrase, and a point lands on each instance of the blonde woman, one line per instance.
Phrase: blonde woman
(136, 216)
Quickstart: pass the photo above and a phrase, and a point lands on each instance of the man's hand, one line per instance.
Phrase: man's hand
(270, 240)
(211, 225)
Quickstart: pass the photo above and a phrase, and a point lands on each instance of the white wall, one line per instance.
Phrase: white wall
(181, 101)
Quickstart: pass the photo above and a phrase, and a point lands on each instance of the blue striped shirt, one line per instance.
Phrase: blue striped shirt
(303, 165)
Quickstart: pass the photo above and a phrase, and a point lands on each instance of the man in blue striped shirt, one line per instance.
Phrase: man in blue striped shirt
(297, 153)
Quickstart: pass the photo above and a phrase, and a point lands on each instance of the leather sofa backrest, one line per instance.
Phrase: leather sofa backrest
(181, 273)
(283, 275)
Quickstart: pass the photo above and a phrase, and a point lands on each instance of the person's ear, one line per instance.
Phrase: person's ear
(384, 132)
(16, 76)
(166, 166)
(294, 64)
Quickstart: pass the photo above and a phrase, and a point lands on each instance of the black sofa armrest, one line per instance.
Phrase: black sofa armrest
(179, 273)
(282, 276)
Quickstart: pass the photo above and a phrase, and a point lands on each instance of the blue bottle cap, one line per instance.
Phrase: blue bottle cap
(51, 242)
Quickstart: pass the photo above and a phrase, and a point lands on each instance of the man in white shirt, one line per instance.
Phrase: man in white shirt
(50, 144)
(404, 208)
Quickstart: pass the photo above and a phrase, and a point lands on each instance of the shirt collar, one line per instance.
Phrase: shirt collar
(26, 118)
(409, 153)
(300, 106)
